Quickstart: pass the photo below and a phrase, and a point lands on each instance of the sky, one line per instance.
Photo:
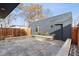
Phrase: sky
(55, 9)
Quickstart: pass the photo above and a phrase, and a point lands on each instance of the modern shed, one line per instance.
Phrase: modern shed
(59, 25)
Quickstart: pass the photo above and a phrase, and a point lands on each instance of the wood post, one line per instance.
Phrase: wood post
(29, 33)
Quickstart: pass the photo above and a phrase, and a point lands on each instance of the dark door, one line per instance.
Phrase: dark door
(59, 31)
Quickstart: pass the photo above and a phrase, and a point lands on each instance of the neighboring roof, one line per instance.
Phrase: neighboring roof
(6, 8)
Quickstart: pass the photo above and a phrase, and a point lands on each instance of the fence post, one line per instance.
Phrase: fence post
(29, 32)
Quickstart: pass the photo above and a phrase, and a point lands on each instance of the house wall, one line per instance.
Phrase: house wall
(48, 25)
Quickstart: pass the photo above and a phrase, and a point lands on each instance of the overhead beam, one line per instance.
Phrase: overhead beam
(6, 8)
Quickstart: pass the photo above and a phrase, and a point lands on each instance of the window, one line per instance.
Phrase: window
(37, 29)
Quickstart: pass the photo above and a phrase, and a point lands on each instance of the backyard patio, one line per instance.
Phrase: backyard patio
(29, 46)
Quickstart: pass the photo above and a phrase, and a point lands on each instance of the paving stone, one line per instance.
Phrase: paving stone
(29, 47)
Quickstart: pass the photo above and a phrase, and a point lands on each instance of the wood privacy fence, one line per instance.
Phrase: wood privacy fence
(75, 35)
(14, 32)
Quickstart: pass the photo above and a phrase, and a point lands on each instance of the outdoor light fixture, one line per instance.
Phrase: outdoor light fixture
(3, 9)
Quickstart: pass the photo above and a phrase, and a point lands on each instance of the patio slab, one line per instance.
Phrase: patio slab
(28, 46)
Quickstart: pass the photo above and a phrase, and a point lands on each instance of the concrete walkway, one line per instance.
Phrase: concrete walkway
(24, 46)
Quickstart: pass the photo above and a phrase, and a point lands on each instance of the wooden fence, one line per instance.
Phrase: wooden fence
(14, 32)
(75, 35)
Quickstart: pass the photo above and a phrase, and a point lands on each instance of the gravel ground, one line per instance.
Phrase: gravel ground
(74, 50)
(24, 46)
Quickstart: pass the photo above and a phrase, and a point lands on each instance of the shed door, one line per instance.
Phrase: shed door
(59, 31)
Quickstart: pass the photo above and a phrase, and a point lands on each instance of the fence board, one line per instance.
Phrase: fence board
(14, 32)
